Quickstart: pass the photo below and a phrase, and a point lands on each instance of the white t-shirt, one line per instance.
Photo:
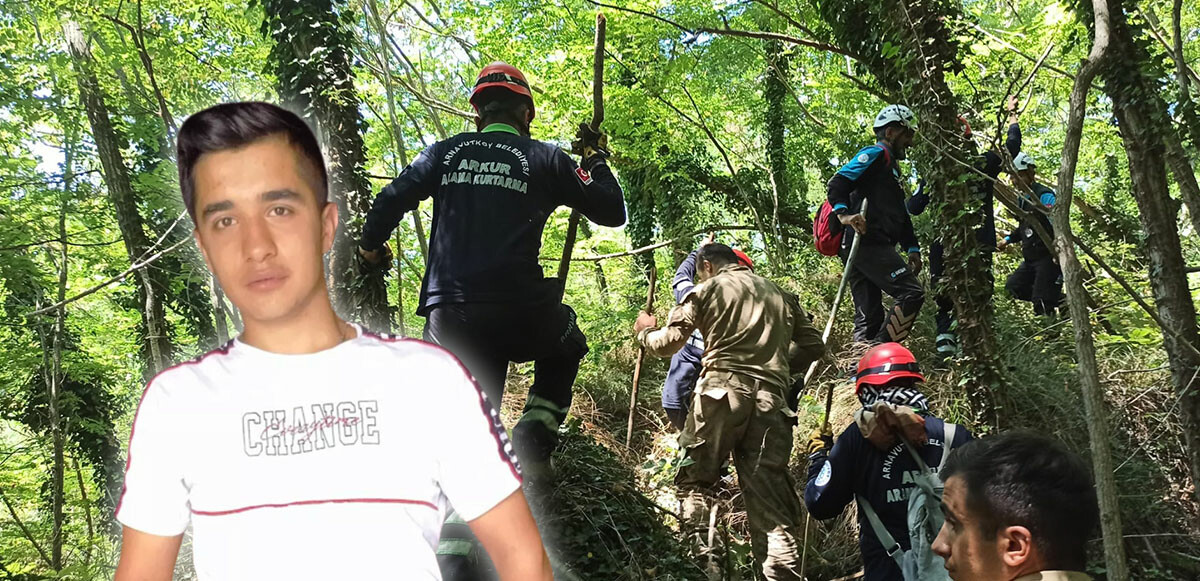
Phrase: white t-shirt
(340, 464)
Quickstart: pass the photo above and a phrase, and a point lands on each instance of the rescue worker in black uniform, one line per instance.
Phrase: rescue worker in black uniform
(485, 296)
(990, 164)
(857, 467)
(1038, 279)
(873, 174)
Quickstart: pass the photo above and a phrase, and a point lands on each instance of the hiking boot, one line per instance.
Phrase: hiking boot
(534, 443)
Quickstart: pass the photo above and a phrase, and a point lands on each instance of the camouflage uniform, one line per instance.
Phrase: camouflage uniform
(755, 334)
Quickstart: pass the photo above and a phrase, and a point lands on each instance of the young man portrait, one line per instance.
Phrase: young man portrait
(307, 447)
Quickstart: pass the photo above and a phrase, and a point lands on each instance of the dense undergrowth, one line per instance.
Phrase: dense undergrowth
(609, 487)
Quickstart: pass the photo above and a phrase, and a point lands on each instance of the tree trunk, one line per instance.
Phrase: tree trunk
(1085, 348)
(1142, 117)
(1185, 176)
(120, 193)
(960, 216)
(54, 381)
(311, 59)
(775, 93)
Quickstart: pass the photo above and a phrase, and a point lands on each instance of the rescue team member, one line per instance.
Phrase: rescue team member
(748, 324)
(990, 164)
(1038, 279)
(685, 363)
(484, 295)
(1019, 507)
(874, 175)
(870, 461)
(306, 448)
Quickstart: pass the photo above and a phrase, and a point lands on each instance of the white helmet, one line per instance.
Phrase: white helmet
(1023, 162)
(896, 114)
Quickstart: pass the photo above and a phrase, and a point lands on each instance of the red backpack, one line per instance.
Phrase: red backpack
(827, 229)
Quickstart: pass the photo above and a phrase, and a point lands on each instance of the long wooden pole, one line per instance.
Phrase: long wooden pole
(637, 368)
(837, 301)
(564, 265)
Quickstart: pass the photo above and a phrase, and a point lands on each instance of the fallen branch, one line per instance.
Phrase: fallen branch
(1128, 371)
(1132, 293)
(129, 271)
(654, 246)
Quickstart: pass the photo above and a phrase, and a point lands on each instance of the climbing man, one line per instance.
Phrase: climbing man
(1038, 279)
(754, 333)
(307, 447)
(1019, 507)
(484, 295)
(873, 175)
(875, 460)
(983, 187)
(685, 363)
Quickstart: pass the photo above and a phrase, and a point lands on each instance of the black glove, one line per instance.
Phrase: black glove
(591, 146)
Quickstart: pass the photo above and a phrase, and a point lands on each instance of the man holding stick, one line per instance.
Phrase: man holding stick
(485, 296)
(750, 327)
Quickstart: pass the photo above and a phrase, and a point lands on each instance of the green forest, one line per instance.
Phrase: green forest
(722, 116)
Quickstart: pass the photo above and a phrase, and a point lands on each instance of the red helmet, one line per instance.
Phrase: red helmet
(501, 74)
(883, 363)
(744, 258)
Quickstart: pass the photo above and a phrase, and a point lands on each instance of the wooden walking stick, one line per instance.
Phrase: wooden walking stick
(837, 302)
(637, 368)
(564, 265)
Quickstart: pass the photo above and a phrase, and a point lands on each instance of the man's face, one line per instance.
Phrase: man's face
(969, 555)
(1027, 176)
(900, 138)
(261, 228)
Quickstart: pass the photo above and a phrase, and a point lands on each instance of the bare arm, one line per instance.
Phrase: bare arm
(511, 538)
(147, 557)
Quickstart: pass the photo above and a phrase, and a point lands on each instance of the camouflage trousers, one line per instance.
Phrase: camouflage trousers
(736, 415)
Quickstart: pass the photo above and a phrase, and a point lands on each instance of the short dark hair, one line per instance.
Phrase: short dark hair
(500, 105)
(718, 254)
(881, 132)
(1027, 479)
(234, 125)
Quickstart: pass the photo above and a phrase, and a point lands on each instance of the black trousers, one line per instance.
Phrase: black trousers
(487, 336)
(1038, 281)
(879, 269)
(937, 269)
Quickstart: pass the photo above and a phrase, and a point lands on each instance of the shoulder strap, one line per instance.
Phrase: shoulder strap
(949, 430)
(885, 538)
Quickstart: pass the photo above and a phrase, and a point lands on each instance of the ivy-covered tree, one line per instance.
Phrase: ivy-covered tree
(312, 63)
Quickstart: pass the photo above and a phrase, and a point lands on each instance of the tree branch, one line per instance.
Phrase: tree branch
(25, 529)
(726, 31)
(654, 246)
(1010, 46)
(130, 270)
